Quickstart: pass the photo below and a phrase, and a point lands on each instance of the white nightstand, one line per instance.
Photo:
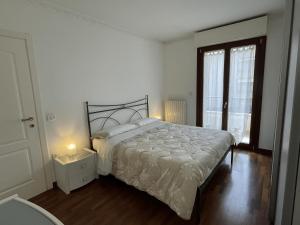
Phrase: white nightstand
(76, 172)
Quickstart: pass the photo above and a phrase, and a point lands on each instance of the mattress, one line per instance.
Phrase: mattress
(166, 160)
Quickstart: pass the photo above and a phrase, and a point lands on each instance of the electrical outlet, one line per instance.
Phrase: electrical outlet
(50, 117)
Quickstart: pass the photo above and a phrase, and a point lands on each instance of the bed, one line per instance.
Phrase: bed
(171, 162)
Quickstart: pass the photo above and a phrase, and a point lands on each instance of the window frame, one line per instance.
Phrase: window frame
(260, 43)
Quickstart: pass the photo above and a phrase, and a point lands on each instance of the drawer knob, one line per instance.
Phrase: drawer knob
(82, 166)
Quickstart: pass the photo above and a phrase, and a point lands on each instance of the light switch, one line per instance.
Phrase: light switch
(50, 117)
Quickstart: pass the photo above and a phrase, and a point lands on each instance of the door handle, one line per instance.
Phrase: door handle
(225, 105)
(27, 119)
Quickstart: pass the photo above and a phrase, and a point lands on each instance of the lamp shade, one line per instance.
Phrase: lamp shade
(71, 150)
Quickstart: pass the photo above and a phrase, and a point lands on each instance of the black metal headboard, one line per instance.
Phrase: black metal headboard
(103, 114)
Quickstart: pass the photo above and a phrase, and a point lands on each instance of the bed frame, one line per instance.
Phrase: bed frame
(98, 116)
(195, 218)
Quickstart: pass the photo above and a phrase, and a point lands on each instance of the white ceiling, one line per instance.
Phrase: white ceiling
(166, 20)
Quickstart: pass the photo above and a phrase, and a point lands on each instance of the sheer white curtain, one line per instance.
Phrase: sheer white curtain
(213, 89)
(242, 63)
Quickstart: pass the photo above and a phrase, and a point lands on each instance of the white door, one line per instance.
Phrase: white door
(21, 163)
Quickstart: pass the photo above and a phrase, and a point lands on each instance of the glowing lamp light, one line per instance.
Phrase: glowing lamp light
(71, 150)
(157, 117)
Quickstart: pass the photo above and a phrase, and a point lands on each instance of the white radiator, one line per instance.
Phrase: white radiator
(175, 111)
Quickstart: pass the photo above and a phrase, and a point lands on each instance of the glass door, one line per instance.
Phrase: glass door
(229, 88)
(213, 89)
(241, 80)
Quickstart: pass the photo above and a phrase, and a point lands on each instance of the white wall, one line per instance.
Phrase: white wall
(180, 70)
(77, 60)
(180, 74)
(233, 32)
(272, 75)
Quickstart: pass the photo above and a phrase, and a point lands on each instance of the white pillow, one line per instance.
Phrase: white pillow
(145, 121)
(112, 131)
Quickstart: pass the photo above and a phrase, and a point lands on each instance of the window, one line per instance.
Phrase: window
(229, 88)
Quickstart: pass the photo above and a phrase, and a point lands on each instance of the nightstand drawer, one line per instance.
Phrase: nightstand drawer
(82, 165)
(82, 168)
(81, 180)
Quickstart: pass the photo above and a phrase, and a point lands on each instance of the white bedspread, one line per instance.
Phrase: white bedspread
(166, 160)
(105, 146)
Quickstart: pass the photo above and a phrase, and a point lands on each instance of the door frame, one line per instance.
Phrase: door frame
(260, 43)
(46, 156)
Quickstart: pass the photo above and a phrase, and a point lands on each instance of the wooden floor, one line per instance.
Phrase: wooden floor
(237, 197)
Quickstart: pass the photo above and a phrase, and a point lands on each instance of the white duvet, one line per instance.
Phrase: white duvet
(166, 160)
